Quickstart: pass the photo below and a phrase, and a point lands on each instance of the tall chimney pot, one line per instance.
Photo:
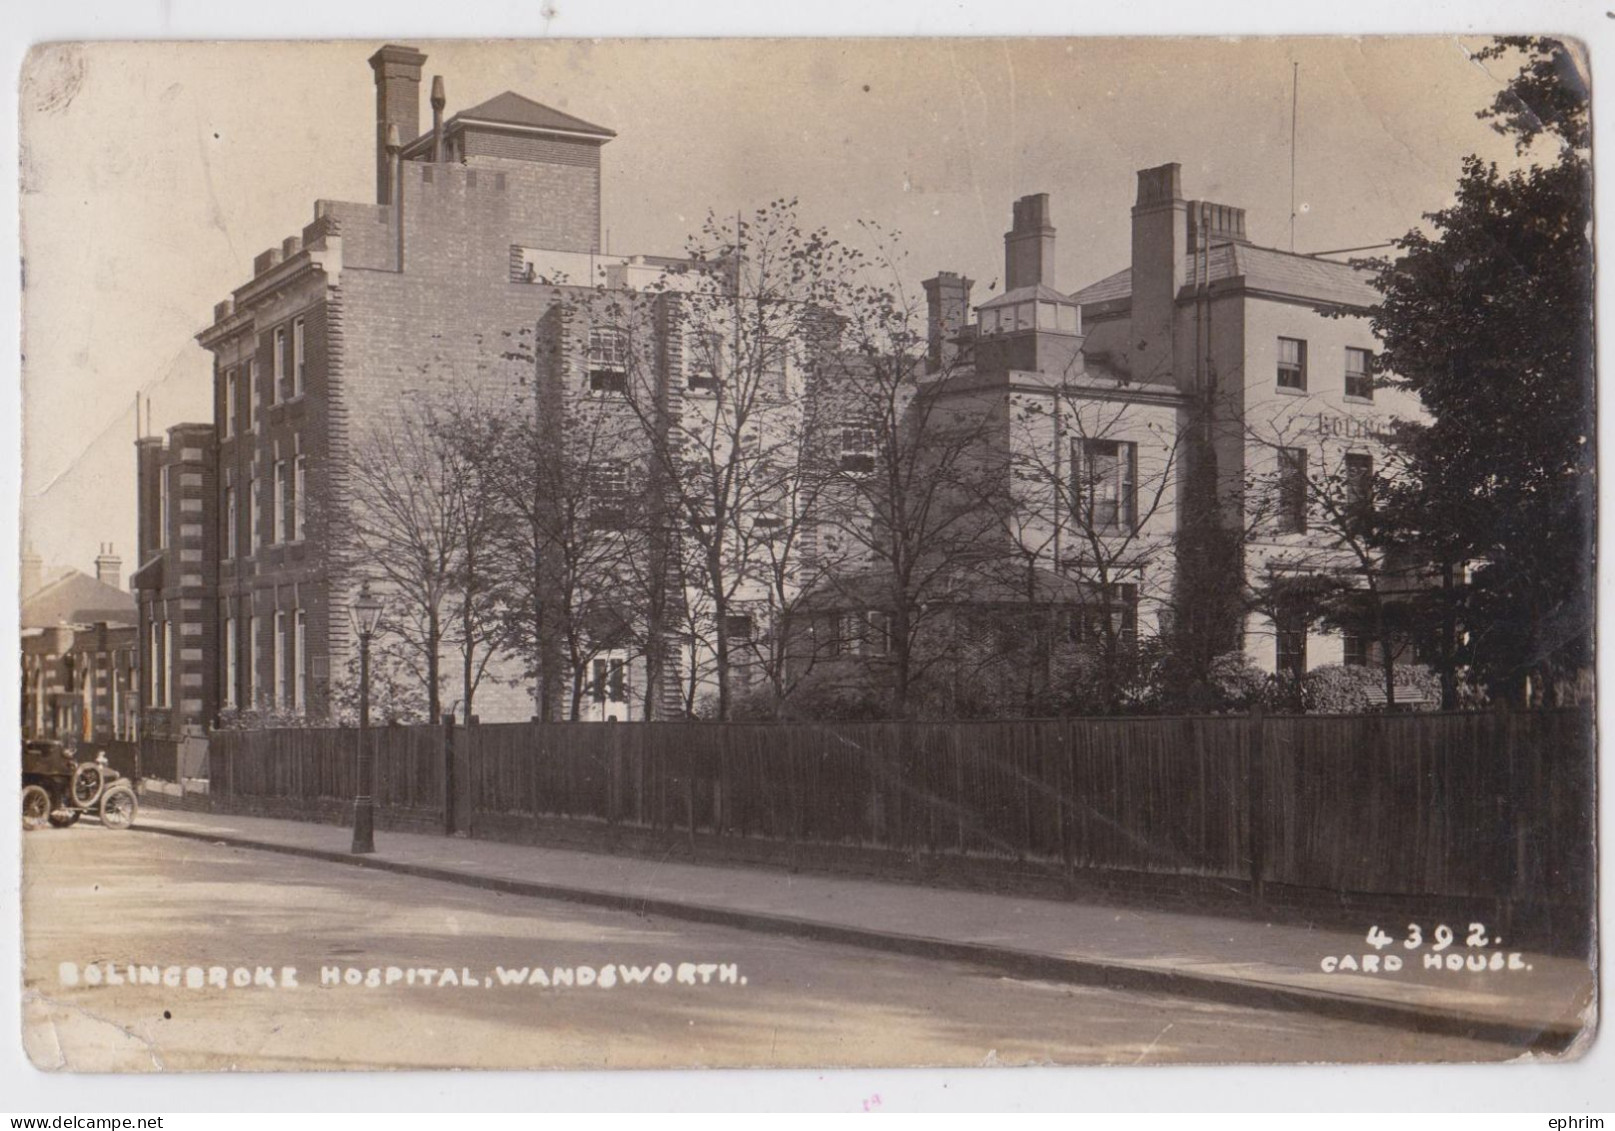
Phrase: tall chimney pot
(1029, 244)
(439, 100)
(109, 567)
(398, 106)
(947, 300)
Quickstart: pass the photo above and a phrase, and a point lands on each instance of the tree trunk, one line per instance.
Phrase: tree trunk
(1449, 641)
(466, 622)
(434, 642)
(1387, 655)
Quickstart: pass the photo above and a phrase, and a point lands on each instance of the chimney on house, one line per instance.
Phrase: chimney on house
(1216, 223)
(109, 567)
(1160, 243)
(398, 104)
(439, 100)
(1029, 245)
(33, 572)
(947, 301)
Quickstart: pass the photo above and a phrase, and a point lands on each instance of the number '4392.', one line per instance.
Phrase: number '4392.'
(1440, 938)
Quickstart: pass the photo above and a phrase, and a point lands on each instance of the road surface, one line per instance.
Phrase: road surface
(477, 979)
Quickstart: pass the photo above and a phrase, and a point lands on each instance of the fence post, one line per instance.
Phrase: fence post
(1256, 800)
(446, 763)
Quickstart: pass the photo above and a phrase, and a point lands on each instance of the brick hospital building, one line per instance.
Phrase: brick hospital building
(487, 224)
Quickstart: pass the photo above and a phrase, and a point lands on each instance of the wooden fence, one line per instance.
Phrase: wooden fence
(320, 765)
(1488, 805)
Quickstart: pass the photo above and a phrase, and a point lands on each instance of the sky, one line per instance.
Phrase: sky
(152, 173)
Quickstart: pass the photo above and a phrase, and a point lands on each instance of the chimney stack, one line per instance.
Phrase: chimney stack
(1029, 245)
(1160, 244)
(109, 567)
(398, 105)
(947, 301)
(439, 100)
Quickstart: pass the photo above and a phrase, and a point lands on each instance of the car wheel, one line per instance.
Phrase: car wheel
(36, 807)
(87, 783)
(118, 807)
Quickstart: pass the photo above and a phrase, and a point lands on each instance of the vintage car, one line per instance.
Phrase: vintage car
(58, 789)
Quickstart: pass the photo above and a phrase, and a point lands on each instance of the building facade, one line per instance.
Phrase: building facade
(476, 279)
(79, 668)
(176, 582)
(1271, 356)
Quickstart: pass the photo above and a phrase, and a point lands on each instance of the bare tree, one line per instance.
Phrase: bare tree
(1335, 559)
(913, 511)
(726, 425)
(1092, 500)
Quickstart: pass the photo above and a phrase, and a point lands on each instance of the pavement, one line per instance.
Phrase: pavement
(1535, 1001)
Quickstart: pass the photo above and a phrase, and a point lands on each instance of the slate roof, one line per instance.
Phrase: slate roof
(77, 598)
(512, 109)
(1262, 268)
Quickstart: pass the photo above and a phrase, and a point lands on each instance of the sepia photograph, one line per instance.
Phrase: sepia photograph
(833, 553)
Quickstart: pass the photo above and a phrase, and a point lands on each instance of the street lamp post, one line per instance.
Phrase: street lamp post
(364, 614)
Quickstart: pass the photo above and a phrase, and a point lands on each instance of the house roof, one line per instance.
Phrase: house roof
(1262, 269)
(513, 109)
(1023, 294)
(77, 598)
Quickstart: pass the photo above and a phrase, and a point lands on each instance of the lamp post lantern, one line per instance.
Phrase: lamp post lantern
(364, 614)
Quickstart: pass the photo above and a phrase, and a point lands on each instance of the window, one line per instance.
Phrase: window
(1355, 646)
(277, 515)
(1292, 492)
(277, 388)
(299, 659)
(1104, 488)
(857, 449)
(299, 489)
(249, 673)
(155, 657)
(827, 635)
(277, 673)
(706, 367)
(1359, 481)
(1292, 364)
(162, 507)
(229, 404)
(610, 682)
(1358, 381)
(608, 495)
(608, 360)
(230, 658)
(880, 633)
(1087, 623)
(771, 368)
(737, 626)
(1290, 640)
(229, 523)
(252, 396)
(254, 531)
(280, 658)
(170, 662)
(299, 359)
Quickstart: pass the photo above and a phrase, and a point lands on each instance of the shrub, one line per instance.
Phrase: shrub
(1354, 688)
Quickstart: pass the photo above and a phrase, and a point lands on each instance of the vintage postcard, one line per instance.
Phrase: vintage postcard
(807, 553)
